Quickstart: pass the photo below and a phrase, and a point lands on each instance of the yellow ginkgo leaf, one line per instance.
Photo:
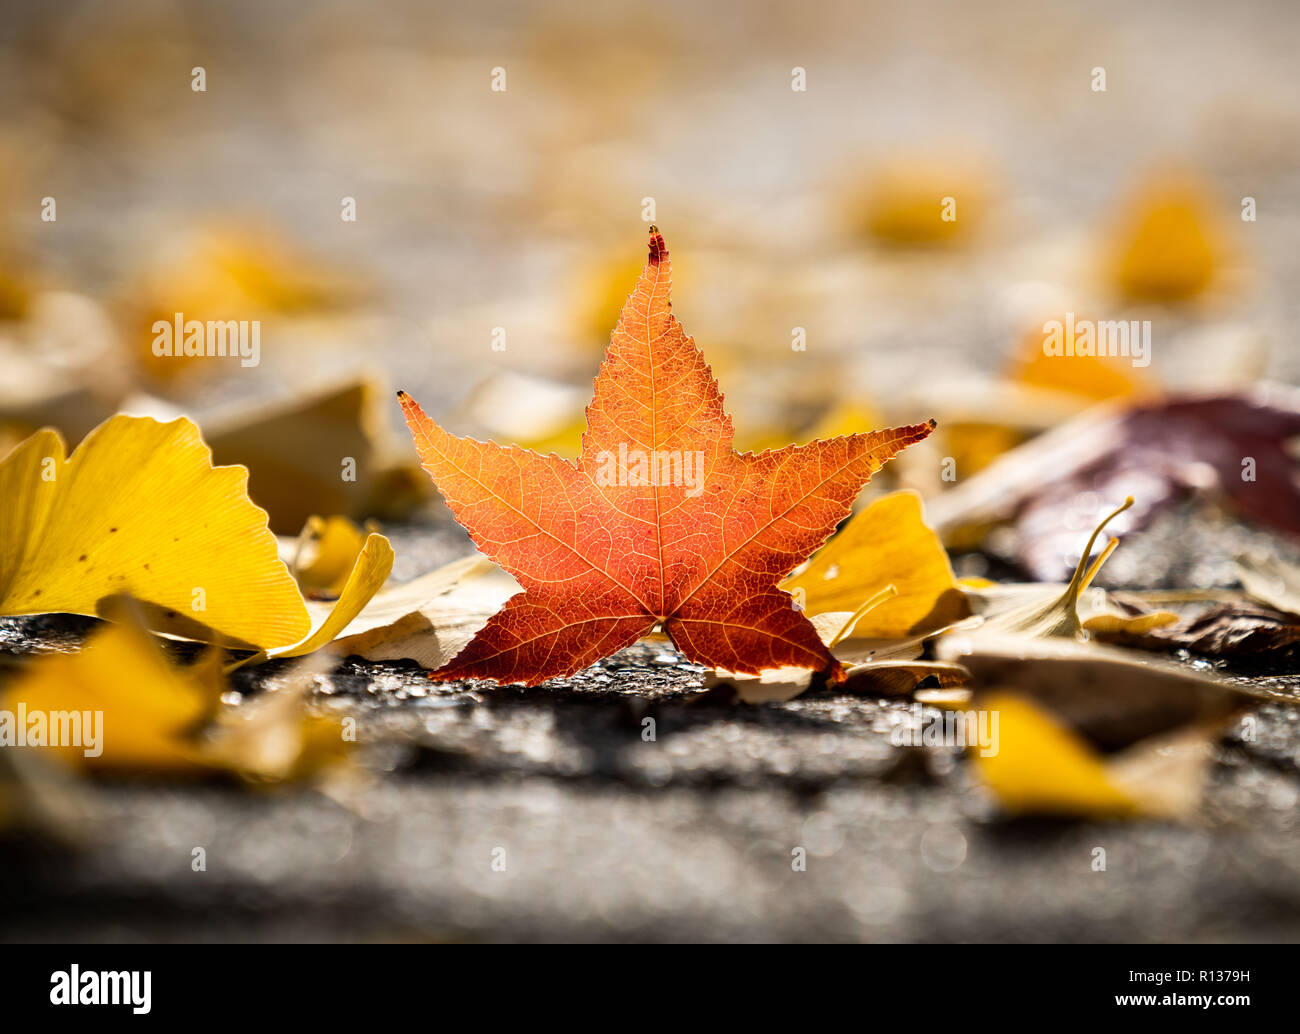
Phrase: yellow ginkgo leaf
(1167, 244)
(1114, 697)
(1041, 767)
(913, 200)
(1090, 376)
(973, 445)
(231, 271)
(139, 510)
(887, 543)
(118, 705)
(128, 708)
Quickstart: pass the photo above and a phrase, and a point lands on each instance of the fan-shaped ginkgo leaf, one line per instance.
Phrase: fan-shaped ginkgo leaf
(1042, 766)
(120, 705)
(139, 510)
(129, 708)
(888, 543)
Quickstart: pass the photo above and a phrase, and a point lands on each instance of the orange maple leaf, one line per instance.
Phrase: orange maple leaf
(658, 521)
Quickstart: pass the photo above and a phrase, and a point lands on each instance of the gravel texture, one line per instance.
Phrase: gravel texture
(609, 835)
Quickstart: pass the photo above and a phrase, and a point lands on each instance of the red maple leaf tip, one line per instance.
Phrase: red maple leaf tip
(658, 522)
(658, 249)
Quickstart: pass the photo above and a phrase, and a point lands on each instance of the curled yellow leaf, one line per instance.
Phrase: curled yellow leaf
(373, 565)
(325, 553)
